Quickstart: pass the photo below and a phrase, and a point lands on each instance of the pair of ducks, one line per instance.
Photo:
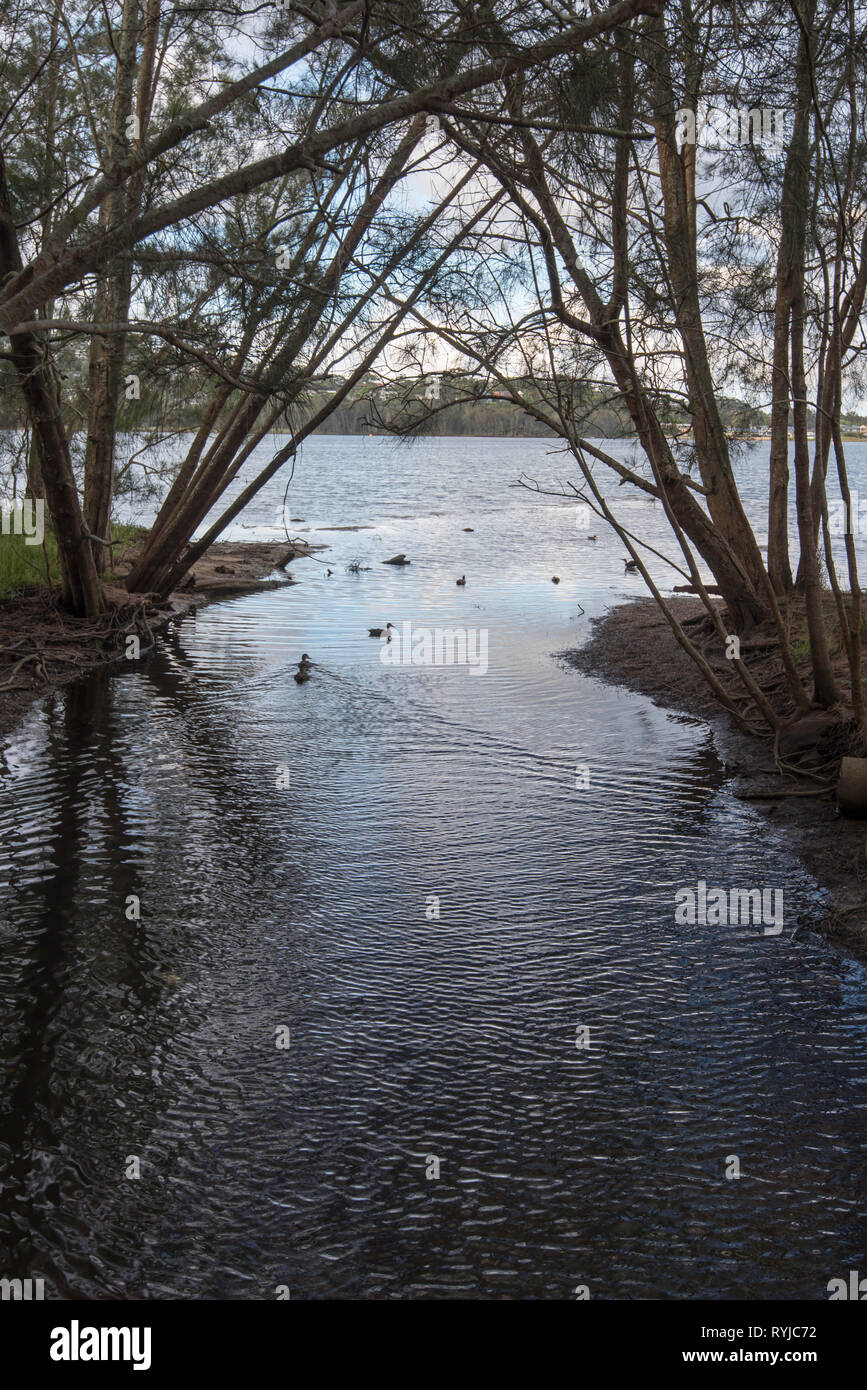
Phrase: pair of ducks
(305, 665)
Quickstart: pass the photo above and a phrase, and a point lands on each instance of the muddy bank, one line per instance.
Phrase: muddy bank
(42, 648)
(633, 646)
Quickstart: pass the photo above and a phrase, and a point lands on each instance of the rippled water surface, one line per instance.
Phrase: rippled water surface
(412, 1038)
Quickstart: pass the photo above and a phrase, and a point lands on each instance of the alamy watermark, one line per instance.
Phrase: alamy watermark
(714, 907)
(22, 1290)
(716, 128)
(847, 521)
(77, 1343)
(855, 1289)
(439, 646)
(26, 518)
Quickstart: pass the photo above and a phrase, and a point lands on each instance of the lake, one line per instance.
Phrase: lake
(406, 1013)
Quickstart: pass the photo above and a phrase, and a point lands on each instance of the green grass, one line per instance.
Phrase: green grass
(24, 567)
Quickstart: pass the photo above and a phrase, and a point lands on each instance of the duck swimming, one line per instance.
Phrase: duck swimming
(462, 581)
(630, 566)
(555, 579)
(382, 631)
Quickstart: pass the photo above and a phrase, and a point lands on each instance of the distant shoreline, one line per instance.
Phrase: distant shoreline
(598, 438)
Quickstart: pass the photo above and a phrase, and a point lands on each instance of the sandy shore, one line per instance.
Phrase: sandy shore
(42, 649)
(633, 646)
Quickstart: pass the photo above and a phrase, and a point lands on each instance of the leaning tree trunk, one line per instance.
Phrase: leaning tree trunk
(741, 590)
(677, 184)
(156, 565)
(742, 600)
(847, 318)
(81, 590)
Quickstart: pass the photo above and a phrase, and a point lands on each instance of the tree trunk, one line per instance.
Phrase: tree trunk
(107, 354)
(34, 486)
(106, 378)
(743, 602)
(677, 178)
(826, 692)
(176, 525)
(794, 203)
(80, 587)
(743, 596)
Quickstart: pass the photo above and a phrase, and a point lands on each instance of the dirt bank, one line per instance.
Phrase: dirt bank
(42, 648)
(633, 646)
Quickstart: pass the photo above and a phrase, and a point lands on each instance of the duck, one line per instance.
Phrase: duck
(555, 579)
(462, 581)
(630, 566)
(591, 538)
(385, 632)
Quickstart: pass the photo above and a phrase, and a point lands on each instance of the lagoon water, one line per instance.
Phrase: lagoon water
(417, 1043)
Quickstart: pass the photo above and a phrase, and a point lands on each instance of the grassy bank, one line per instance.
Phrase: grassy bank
(43, 649)
(25, 567)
